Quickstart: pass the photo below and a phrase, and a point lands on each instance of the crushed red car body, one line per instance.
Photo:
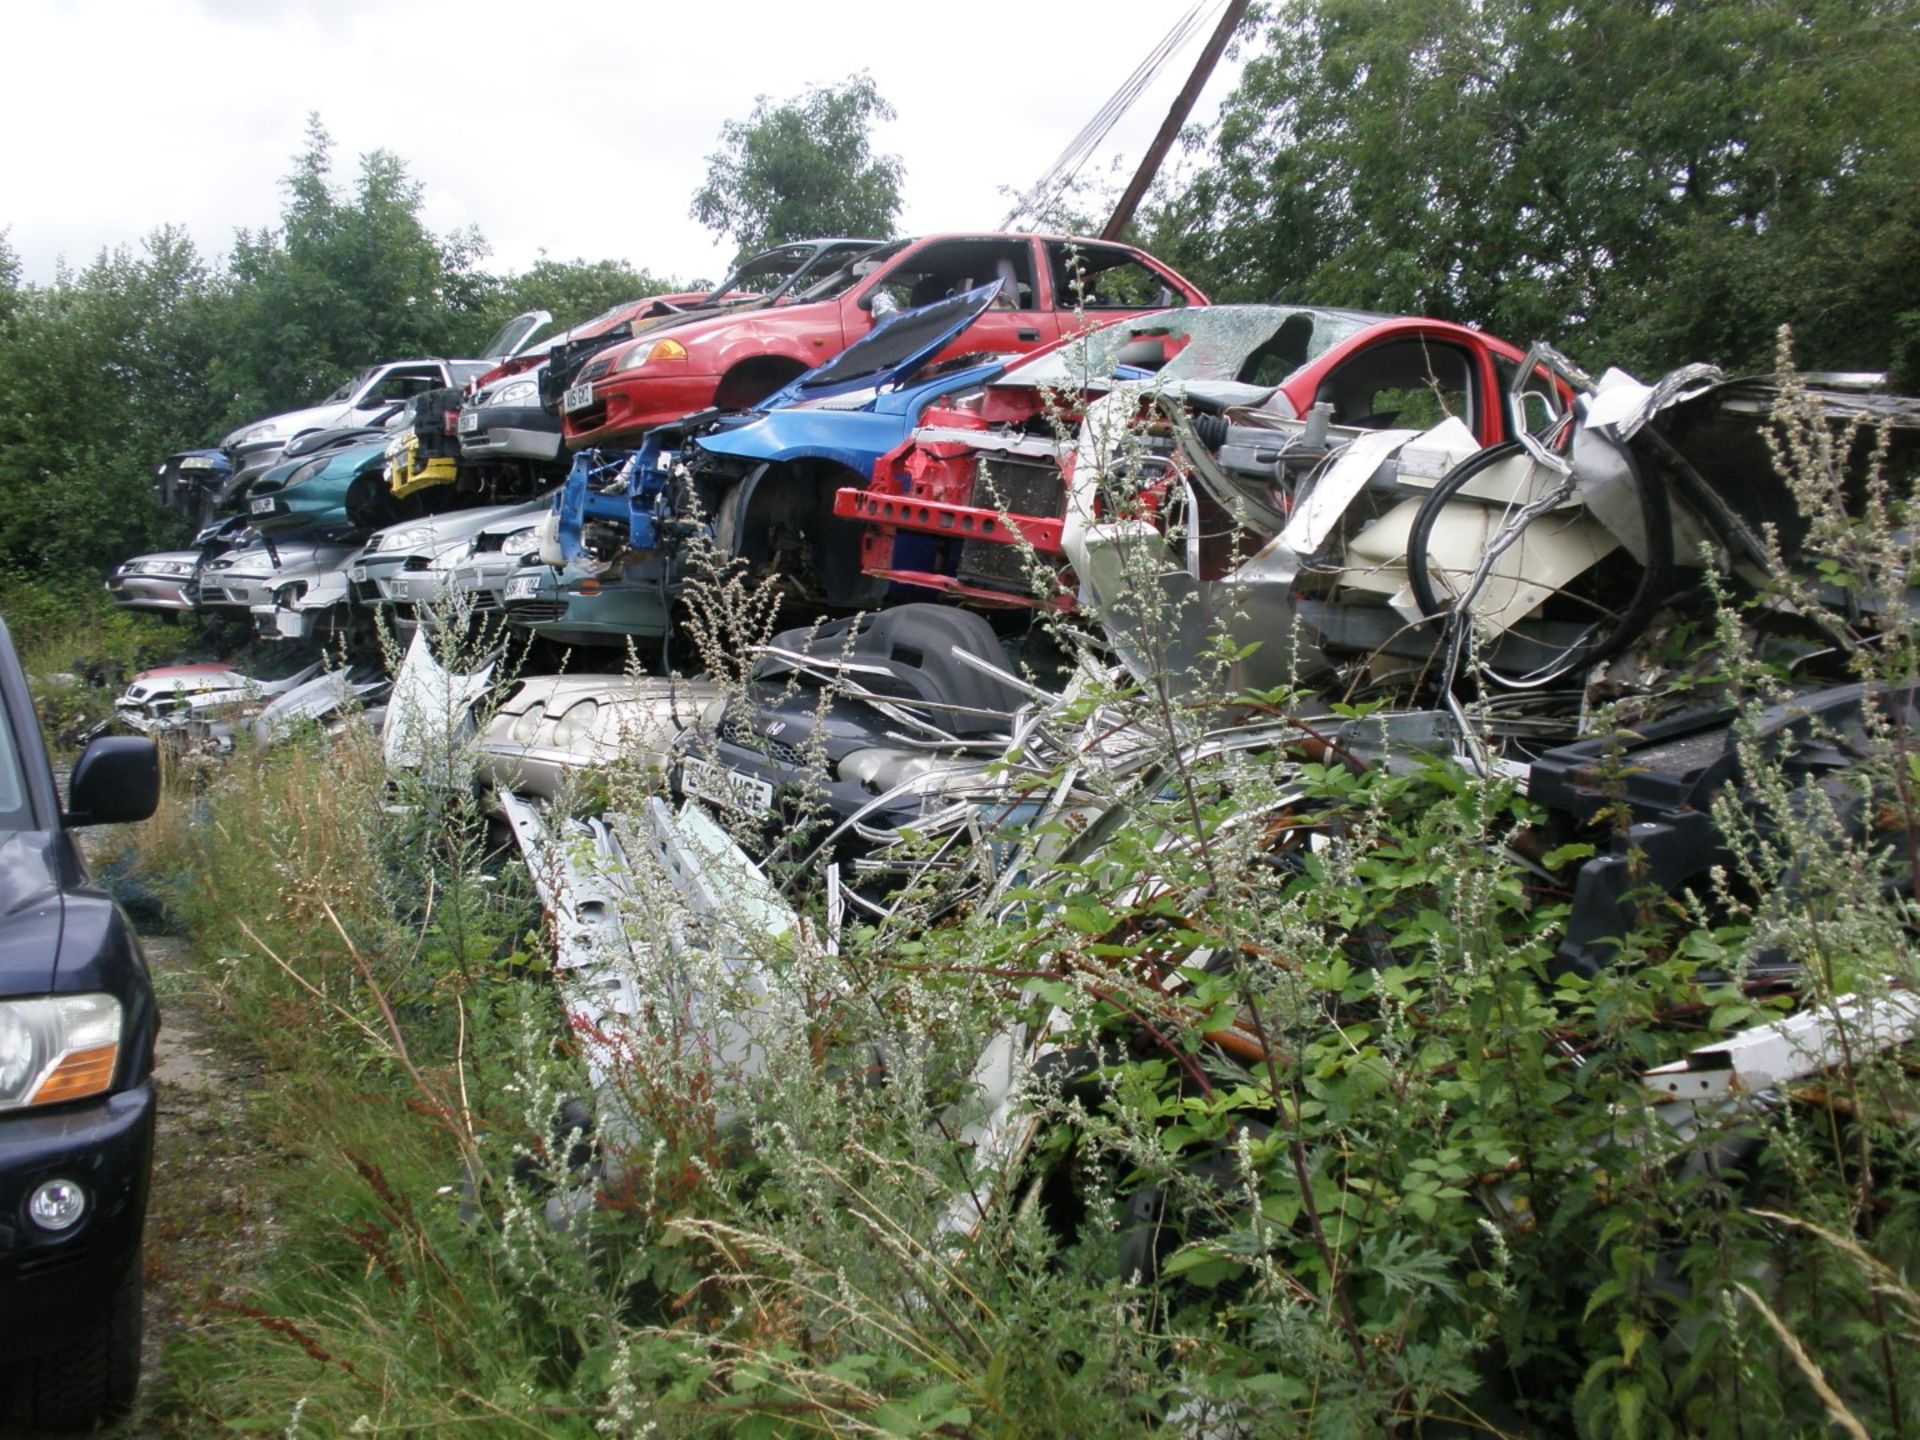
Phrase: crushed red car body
(733, 360)
(961, 505)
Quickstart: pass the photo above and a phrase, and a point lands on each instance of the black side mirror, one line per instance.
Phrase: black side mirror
(116, 780)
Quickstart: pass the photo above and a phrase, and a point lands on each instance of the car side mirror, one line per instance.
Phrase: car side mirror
(115, 781)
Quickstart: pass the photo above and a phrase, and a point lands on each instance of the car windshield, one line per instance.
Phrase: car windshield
(777, 271)
(766, 273)
(853, 272)
(1257, 344)
(16, 811)
(346, 391)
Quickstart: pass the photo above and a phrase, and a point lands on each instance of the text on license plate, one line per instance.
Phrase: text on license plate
(748, 794)
(578, 397)
(523, 587)
(263, 506)
(469, 421)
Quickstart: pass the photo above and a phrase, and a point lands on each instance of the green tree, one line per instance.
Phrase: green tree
(102, 374)
(1647, 183)
(347, 279)
(802, 168)
(571, 290)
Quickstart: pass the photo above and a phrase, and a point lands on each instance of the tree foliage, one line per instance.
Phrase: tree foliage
(1648, 183)
(803, 168)
(106, 371)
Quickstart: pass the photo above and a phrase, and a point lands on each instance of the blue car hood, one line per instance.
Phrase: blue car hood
(897, 346)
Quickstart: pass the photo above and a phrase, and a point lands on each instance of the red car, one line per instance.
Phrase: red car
(955, 506)
(731, 361)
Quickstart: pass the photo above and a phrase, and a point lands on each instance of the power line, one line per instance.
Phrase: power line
(1062, 172)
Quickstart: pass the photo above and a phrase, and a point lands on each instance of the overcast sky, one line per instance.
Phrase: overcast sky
(581, 129)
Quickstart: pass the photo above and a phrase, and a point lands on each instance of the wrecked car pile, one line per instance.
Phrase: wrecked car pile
(1100, 634)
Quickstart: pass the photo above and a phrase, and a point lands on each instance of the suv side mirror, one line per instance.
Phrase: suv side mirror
(115, 780)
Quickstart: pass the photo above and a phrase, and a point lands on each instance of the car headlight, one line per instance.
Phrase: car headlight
(521, 542)
(527, 726)
(64, 1047)
(574, 724)
(290, 594)
(268, 431)
(645, 354)
(514, 392)
(408, 537)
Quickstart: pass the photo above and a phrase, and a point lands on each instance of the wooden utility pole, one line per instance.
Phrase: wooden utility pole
(1176, 117)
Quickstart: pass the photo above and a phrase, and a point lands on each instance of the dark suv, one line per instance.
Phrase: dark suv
(77, 1026)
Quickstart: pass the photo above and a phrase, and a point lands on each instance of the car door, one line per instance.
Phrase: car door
(1017, 321)
(1405, 376)
(1094, 284)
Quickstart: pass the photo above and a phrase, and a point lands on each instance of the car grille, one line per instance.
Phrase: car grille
(1021, 487)
(536, 612)
(739, 732)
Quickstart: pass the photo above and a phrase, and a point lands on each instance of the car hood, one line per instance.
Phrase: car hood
(437, 531)
(181, 679)
(289, 423)
(30, 912)
(895, 348)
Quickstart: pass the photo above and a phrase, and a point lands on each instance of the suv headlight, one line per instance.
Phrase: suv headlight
(64, 1047)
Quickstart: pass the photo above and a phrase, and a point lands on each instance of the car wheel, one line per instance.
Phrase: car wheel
(93, 1379)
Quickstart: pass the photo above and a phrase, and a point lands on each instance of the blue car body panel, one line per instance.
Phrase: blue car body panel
(629, 488)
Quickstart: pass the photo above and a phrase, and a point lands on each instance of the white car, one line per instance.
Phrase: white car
(374, 392)
(166, 698)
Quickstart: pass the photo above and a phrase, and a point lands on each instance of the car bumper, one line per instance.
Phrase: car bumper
(152, 592)
(107, 1147)
(625, 406)
(232, 593)
(590, 611)
(512, 432)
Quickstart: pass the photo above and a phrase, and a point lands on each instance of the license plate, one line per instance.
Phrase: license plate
(729, 789)
(291, 626)
(469, 421)
(357, 575)
(578, 397)
(523, 587)
(264, 505)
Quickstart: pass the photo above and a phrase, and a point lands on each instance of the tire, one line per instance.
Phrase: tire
(94, 1378)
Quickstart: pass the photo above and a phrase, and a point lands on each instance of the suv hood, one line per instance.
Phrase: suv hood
(30, 913)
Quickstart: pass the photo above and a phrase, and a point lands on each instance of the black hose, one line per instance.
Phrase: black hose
(1444, 489)
(1599, 643)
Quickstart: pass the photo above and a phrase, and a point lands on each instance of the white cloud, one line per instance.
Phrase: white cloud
(580, 129)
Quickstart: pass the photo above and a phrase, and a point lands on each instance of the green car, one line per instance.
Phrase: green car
(342, 484)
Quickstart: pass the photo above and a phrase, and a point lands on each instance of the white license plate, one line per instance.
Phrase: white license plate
(263, 506)
(357, 575)
(469, 421)
(726, 788)
(578, 397)
(523, 587)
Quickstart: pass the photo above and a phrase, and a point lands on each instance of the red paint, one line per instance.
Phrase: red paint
(629, 402)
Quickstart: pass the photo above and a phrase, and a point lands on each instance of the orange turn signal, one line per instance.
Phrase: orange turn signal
(83, 1073)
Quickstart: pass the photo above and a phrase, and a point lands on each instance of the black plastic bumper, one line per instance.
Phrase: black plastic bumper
(52, 1286)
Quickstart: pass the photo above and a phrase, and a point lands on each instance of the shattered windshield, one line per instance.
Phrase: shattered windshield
(1255, 344)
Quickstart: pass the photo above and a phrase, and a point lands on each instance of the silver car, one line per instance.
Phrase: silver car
(161, 582)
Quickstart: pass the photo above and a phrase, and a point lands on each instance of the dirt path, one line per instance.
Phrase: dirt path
(209, 1221)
